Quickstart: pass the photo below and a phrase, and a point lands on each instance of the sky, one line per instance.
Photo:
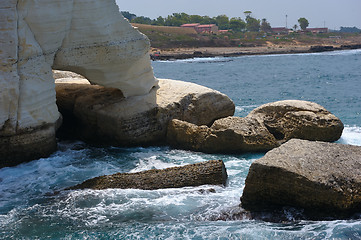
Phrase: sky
(320, 13)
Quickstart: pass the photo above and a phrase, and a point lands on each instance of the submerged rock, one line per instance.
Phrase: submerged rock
(204, 173)
(264, 128)
(322, 178)
(103, 115)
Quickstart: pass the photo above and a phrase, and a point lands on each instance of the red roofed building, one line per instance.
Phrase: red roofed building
(190, 25)
(209, 28)
(280, 30)
(317, 30)
(223, 31)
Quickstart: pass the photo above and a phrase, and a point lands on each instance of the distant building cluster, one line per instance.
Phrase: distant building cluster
(317, 30)
(283, 30)
(208, 28)
(213, 28)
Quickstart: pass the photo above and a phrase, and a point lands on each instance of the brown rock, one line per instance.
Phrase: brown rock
(322, 178)
(204, 173)
(244, 134)
(103, 115)
(231, 134)
(27, 145)
(263, 129)
(299, 119)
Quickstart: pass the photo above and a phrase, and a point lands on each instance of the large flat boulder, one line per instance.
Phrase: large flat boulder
(299, 119)
(322, 178)
(102, 115)
(204, 173)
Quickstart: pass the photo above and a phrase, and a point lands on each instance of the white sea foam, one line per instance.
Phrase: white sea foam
(181, 213)
(330, 53)
(351, 135)
(151, 163)
(245, 108)
(342, 52)
(205, 60)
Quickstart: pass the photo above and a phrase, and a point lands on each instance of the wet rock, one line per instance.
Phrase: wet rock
(263, 129)
(322, 178)
(204, 173)
(245, 134)
(321, 48)
(237, 213)
(228, 135)
(27, 145)
(102, 115)
(298, 119)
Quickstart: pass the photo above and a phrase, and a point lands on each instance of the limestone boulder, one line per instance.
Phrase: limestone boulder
(226, 135)
(298, 119)
(205, 173)
(185, 135)
(263, 129)
(103, 115)
(246, 134)
(322, 178)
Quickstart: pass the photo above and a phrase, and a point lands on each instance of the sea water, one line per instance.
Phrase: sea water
(33, 205)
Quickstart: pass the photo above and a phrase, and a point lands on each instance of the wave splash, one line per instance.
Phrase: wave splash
(31, 199)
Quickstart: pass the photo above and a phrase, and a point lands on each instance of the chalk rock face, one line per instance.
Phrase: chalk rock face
(89, 37)
(104, 116)
(323, 178)
(299, 119)
(226, 135)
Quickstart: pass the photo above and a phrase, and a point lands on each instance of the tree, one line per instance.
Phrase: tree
(176, 19)
(295, 27)
(265, 26)
(247, 13)
(253, 25)
(142, 20)
(237, 24)
(128, 15)
(208, 20)
(303, 23)
(159, 21)
(222, 22)
(195, 19)
(350, 30)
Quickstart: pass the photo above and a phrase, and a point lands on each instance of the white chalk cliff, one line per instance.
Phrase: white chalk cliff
(89, 37)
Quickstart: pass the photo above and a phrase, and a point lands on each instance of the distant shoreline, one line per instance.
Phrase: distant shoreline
(211, 52)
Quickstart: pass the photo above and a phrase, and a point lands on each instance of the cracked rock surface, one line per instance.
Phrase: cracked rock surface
(265, 128)
(319, 177)
(205, 173)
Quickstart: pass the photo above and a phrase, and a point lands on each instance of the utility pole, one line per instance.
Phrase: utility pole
(286, 20)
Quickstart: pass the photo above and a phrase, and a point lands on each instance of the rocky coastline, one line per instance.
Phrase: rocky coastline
(237, 52)
(122, 103)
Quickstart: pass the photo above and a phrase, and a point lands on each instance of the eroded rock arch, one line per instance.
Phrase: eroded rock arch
(89, 37)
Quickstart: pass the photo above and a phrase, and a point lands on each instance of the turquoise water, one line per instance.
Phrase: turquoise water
(29, 209)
